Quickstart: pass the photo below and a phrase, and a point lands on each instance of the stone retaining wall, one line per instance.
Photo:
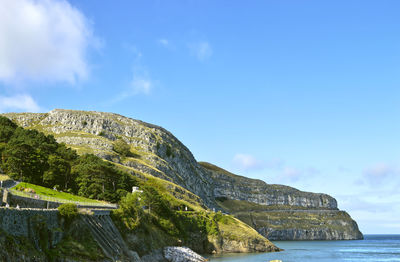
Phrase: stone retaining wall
(18, 222)
(26, 202)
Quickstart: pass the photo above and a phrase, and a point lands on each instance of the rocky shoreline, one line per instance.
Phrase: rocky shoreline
(173, 254)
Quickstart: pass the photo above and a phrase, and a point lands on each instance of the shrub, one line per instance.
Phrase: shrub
(221, 198)
(69, 211)
(121, 147)
(169, 152)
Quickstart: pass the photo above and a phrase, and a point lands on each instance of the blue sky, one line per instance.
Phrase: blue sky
(302, 93)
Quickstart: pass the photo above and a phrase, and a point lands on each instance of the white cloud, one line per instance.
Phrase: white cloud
(247, 162)
(141, 85)
(361, 203)
(379, 173)
(202, 50)
(275, 163)
(22, 102)
(291, 174)
(141, 82)
(43, 40)
(163, 41)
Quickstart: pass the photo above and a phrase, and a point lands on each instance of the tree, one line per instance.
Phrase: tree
(7, 128)
(59, 172)
(154, 200)
(26, 154)
(99, 179)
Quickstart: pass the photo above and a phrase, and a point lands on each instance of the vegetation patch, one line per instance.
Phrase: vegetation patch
(122, 148)
(168, 219)
(47, 192)
(68, 211)
(78, 244)
(4, 177)
(234, 206)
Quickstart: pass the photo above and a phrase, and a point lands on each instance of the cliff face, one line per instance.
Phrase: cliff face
(158, 153)
(302, 224)
(234, 187)
(281, 212)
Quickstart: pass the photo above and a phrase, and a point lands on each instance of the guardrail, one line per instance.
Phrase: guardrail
(59, 200)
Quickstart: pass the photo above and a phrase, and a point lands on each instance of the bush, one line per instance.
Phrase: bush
(121, 147)
(69, 211)
(169, 152)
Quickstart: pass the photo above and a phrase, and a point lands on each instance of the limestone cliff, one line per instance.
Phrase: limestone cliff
(234, 187)
(158, 153)
(281, 212)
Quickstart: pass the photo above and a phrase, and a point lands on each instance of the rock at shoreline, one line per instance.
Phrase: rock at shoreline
(182, 254)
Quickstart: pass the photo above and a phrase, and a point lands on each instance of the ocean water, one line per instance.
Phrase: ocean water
(372, 248)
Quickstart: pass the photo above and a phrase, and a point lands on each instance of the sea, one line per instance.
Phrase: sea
(371, 248)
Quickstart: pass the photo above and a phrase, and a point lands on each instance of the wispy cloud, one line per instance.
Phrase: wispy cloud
(45, 40)
(292, 174)
(21, 102)
(281, 172)
(201, 50)
(247, 162)
(141, 83)
(163, 42)
(377, 174)
(359, 203)
(372, 214)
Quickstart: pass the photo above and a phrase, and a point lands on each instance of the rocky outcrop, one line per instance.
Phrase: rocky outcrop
(173, 254)
(281, 212)
(109, 238)
(182, 254)
(309, 234)
(234, 187)
(303, 224)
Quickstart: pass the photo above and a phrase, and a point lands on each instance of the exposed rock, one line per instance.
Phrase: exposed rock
(231, 186)
(109, 239)
(155, 256)
(182, 254)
